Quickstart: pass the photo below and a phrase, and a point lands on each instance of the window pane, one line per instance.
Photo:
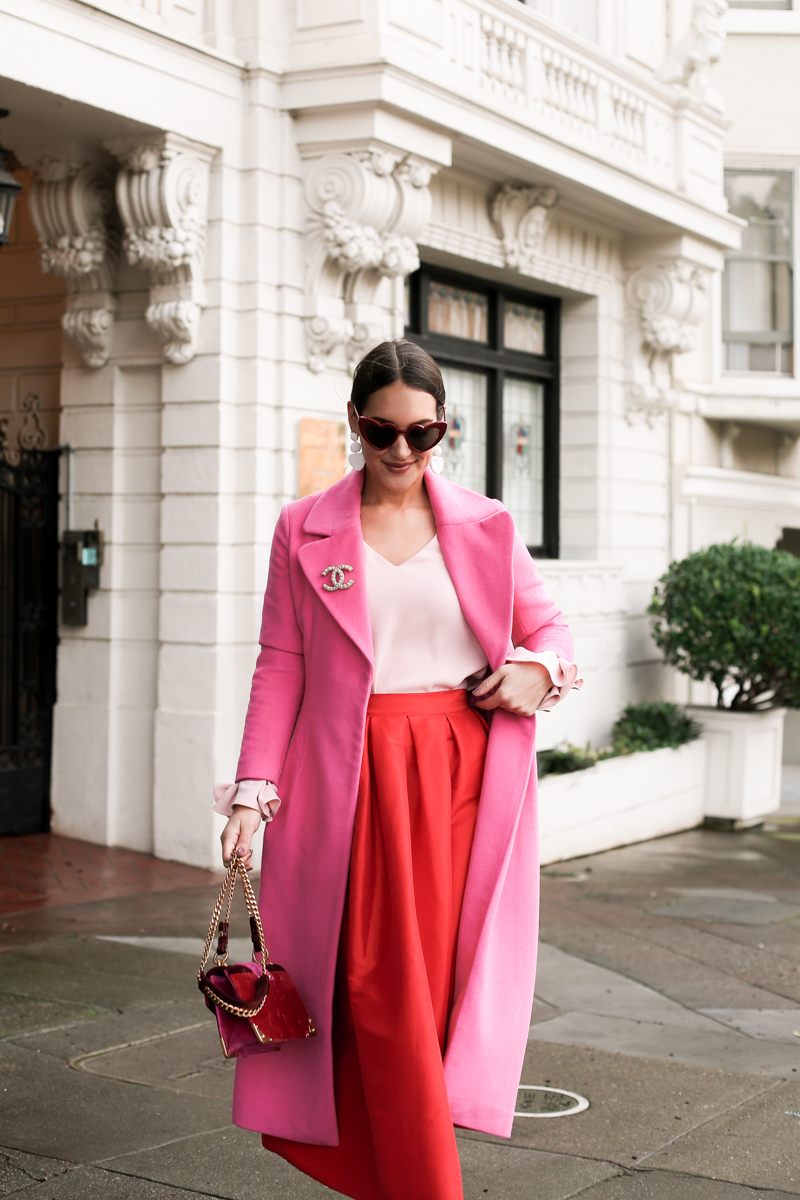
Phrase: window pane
(759, 356)
(764, 201)
(523, 457)
(757, 285)
(763, 358)
(758, 297)
(458, 313)
(464, 447)
(523, 328)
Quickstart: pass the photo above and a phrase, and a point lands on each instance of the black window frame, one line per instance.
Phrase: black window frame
(496, 361)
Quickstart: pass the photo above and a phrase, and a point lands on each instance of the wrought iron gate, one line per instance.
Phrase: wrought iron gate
(28, 607)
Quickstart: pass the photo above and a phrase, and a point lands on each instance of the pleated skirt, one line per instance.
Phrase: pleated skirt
(418, 796)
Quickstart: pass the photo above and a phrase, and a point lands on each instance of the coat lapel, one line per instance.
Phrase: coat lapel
(478, 548)
(336, 520)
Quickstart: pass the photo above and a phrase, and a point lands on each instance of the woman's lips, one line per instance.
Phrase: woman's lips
(398, 468)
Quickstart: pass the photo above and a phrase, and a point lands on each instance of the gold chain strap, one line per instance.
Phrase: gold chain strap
(236, 868)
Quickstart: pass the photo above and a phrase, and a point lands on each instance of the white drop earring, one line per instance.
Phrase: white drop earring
(437, 462)
(356, 455)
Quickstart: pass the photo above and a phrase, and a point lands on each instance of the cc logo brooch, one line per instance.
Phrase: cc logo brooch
(337, 583)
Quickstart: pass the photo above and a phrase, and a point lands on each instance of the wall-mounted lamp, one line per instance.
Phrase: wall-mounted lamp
(9, 188)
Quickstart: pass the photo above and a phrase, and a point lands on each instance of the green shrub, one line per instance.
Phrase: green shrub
(642, 726)
(563, 760)
(731, 614)
(652, 726)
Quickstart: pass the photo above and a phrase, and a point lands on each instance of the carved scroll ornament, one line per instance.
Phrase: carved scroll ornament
(162, 197)
(521, 216)
(72, 208)
(367, 210)
(666, 303)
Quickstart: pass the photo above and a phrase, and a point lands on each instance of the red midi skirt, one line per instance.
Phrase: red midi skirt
(418, 796)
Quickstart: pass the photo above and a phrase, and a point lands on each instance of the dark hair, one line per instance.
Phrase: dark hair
(392, 362)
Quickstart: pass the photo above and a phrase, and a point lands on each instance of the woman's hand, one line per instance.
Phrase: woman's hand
(520, 688)
(238, 834)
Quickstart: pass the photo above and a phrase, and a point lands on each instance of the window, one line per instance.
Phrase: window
(497, 350)
(757, 285)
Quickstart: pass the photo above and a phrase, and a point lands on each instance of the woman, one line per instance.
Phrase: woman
(400, 881)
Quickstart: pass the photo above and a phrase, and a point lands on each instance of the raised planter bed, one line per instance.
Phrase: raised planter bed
(622, 800)
(744, 762)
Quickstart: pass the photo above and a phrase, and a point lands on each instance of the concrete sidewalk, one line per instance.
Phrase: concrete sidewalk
(668, 994)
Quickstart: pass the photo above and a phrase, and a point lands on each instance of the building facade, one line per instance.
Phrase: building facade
(226, 203)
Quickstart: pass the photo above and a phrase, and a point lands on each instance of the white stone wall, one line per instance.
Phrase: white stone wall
(425, 111)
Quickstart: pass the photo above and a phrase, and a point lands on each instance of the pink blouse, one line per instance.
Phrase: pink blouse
(421, 642)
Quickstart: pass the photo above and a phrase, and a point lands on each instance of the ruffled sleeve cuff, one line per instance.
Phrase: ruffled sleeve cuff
(250, 793)
(563, 674)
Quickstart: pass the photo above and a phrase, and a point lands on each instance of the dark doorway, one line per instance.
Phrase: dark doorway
(28, 608)
(790, 541)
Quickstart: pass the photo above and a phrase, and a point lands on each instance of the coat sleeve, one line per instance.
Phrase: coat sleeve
(276, 692)
(537, 624)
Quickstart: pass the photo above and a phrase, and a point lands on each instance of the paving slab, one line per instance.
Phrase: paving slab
(238, 948)
(770, 1024)
(20, 1013)
(725, 1051)
(94, 974)
(19, 1170)
(234, 1166)
(511, 1173)
(637, 1106)
(664, 1185)
(756, 1142)
(571, 984)
(53, 1110)
(70, 1039)
(188, 1061)
(229, 1163)
(177, 913)
(93, 1183)
(727, 906)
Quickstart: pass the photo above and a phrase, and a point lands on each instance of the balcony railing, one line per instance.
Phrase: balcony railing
(580, 96)
(502, 55)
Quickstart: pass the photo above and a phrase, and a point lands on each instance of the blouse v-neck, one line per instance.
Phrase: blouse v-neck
(405, 562)
(421, 641)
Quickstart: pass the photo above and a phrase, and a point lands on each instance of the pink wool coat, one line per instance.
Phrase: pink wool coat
(305, 731)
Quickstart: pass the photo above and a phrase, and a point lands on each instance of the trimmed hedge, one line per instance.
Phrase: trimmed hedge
(731, 615)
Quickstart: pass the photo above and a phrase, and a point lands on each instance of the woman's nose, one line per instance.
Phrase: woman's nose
(401, 447)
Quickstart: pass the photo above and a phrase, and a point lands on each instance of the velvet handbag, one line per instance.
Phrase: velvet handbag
(256, 1004)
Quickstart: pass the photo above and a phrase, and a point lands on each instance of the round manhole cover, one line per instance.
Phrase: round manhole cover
(533, 1100)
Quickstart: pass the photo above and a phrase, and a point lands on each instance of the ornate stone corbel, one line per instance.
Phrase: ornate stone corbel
(365, 335)
(162, 196)
(521, 216)
(666, 303)
(367, 209)
(72, 208)
(323, 335)
(690, 60)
